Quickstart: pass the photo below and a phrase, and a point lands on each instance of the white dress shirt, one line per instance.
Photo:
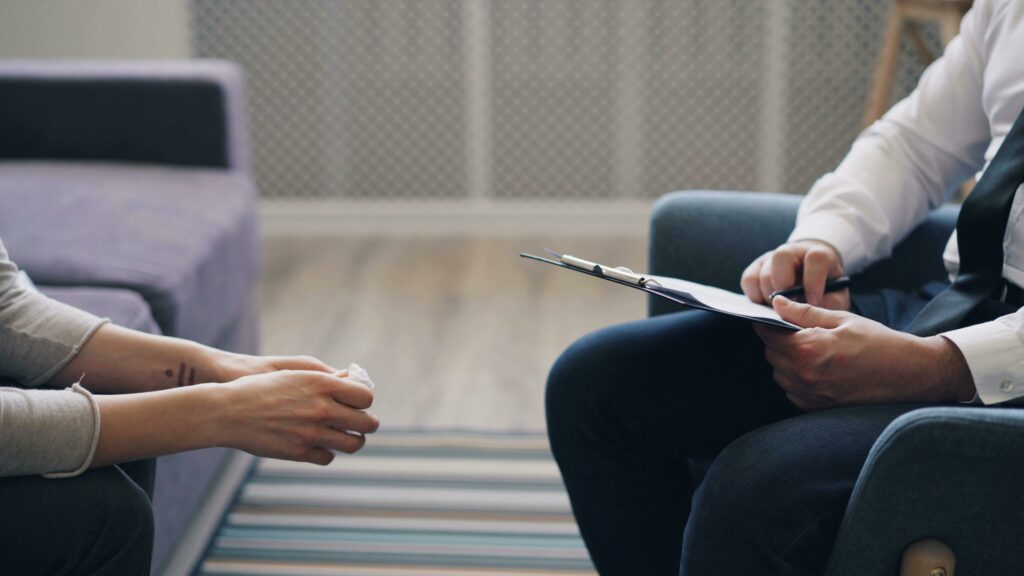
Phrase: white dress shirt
(916, 157)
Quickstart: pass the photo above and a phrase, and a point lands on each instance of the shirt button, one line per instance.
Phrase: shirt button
(1006, 386)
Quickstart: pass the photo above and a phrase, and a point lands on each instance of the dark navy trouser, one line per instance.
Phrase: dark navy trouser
(631, 406)
(99, 523)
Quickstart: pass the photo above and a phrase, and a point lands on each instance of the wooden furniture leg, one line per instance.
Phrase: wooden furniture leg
(928, 557)
(907, 15)
(885, 70)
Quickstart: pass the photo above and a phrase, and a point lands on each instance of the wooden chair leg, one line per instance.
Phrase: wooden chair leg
(885, 71)
(946, 15)
(949, 24)
(928, 557)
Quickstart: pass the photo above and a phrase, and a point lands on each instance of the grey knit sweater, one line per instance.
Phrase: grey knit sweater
(42, 431)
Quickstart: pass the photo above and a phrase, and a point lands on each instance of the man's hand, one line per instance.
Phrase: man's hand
(807, 262)
(840, 358)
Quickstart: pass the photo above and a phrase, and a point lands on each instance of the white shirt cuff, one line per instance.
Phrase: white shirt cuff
(995, 357)
(836, 231)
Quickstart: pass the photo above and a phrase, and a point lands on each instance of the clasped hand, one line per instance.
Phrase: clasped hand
(838, 357)
(294, 407)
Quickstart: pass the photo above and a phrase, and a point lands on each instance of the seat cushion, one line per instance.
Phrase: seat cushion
(185, 239)
(123, 307)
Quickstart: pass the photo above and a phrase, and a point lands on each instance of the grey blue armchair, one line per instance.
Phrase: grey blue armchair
(946, 474)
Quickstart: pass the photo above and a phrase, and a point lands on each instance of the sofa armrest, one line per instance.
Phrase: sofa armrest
(186, 113)
(710, 237)
(946, 473)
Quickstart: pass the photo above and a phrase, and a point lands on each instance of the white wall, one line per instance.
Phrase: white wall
(94, 29)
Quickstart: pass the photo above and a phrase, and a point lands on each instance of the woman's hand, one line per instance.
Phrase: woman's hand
(228, 366)
(117, 360)
(293, 414)
(807, 262)
(840, 358)
(297, 415)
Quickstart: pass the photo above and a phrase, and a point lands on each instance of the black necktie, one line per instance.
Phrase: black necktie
(980, 229)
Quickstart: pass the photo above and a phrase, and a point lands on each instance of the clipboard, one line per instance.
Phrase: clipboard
(677, 290)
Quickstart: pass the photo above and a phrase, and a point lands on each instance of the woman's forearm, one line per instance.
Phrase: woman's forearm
(136, 426)
(116, 360)
(296, 414)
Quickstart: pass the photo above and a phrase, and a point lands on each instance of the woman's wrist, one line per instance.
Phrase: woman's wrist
(220, 407)
(215, 364)
(146, 425)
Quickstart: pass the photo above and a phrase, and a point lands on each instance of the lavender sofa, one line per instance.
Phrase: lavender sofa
(125, 189)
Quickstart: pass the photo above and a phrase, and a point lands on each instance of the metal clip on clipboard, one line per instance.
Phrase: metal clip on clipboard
(620, 273)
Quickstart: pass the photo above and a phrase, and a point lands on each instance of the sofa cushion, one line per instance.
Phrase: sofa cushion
(184, 239)
(123, 307)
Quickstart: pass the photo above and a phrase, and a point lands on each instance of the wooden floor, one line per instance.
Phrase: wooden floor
(456, 332)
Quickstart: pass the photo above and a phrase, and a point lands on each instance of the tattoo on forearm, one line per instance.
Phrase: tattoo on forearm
(170, 373)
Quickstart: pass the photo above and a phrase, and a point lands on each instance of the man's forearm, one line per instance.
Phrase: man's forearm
(117, 360)
(949, 369)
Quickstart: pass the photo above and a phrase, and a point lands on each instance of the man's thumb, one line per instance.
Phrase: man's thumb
(805, 315)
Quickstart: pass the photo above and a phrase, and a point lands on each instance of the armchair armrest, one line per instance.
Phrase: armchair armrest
(710, 237)
(946, 473)
(187, 113)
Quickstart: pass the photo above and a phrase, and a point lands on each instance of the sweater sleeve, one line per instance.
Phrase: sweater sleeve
(38, 336)
(49, 432)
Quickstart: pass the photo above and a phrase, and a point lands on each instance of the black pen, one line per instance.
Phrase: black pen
(798, 290)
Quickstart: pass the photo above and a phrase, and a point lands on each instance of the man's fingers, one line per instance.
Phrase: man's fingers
(817, 264)
(765, 282)
(799, 402)
(750, 282)
(771, 336)
(785, 382)
(838, 300)
(778, 360)
(783, 270)
(805, 315)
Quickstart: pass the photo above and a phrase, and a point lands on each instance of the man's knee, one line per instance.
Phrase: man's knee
(744, 483)
(579, 383)
(769, 496)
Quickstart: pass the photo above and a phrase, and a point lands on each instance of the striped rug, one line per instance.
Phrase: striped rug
(428, 504)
